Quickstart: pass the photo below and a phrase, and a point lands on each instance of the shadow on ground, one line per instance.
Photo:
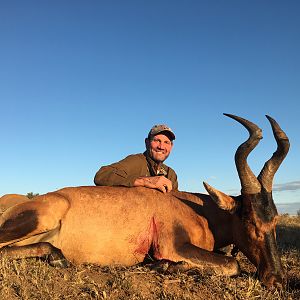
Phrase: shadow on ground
(288, 237)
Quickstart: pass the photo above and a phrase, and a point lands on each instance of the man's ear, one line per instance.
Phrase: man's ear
(224, 201)
(172, 144)
(147, 143)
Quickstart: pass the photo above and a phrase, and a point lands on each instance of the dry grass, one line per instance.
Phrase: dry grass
(288, 232)
(35, 279)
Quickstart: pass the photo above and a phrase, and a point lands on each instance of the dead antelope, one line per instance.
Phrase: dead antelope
(118, 225)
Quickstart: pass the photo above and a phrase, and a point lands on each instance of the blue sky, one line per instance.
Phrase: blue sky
(82, 82)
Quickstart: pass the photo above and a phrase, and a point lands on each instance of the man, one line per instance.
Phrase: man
(144, 169)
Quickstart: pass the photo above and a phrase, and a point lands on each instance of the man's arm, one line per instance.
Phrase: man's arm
(155, 182)
(173, 177)
(112, 176)
(122, 173)
(130, 172)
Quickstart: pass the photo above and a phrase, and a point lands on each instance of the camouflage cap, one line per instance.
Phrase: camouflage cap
(156, 129)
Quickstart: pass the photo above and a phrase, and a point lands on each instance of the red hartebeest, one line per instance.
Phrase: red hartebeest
(119, 225)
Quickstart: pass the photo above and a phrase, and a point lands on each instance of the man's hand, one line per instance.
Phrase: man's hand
(155, 182)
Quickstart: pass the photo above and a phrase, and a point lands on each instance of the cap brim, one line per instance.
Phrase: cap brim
(168, 133)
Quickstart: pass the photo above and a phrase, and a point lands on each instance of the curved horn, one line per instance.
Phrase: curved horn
(271, 166)
(249, 182)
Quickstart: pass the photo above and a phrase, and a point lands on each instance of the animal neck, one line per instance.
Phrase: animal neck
(219, 221)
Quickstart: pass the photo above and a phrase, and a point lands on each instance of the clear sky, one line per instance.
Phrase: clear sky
(82, 82)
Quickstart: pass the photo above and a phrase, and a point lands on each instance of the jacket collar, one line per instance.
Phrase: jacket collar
(154, 168)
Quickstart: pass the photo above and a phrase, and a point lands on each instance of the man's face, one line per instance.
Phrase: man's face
(159, 147)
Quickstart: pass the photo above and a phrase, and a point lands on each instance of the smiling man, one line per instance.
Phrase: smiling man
(145, 169)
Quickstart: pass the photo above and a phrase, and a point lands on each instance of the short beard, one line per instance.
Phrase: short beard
(158, 161)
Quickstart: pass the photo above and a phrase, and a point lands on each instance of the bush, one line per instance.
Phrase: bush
(31, 195)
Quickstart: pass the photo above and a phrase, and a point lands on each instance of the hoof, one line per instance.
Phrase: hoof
(59, 263)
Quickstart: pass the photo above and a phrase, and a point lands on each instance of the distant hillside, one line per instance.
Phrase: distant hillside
(288, 208)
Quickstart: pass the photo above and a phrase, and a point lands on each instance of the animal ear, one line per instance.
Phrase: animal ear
(224, 201)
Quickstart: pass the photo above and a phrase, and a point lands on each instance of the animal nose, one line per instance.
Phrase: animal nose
(274, 281)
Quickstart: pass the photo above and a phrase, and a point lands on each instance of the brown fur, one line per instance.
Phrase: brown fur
(109, 225)
(118, 225)
(10, 200)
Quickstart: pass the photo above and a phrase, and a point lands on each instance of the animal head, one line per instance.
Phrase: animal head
(254, 212)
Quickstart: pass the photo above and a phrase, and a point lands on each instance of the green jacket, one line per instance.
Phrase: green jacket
(124, 172)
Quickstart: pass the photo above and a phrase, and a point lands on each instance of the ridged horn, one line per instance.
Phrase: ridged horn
(271, 166)
(249, 182)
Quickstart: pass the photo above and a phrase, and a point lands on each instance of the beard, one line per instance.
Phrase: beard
(158, 157)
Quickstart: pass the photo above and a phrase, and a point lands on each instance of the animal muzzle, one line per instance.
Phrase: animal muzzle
(272, 280)
(270, 270)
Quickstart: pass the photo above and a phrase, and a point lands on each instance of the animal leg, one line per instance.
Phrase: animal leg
(232, 250)
(32, 218)
(43, 249)
(195, 257)
(167, 266)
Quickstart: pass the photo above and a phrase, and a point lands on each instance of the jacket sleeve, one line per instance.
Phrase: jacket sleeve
(122, 173)
(173, 177)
